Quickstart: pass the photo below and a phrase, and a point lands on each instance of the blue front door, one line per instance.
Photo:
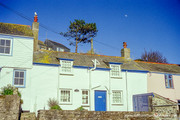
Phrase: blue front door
(100, 100)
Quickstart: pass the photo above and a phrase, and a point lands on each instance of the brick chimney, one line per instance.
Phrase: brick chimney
(125, 52)
(35, 29)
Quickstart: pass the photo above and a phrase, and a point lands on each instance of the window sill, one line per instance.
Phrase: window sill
(169, 88)
(19, 86)
(119, 104)
(116, 77)
(5, 54)
(83, 105)
(65, 103)
(69, 74)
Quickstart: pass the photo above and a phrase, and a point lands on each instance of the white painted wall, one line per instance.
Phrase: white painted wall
(22, 53)
(136, 84)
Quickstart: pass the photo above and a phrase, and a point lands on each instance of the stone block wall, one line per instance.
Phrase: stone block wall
(93, 115)
(163, 108)
(9, 107)
(28, 116)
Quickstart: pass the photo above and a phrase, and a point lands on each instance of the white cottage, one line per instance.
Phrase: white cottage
(96, 82)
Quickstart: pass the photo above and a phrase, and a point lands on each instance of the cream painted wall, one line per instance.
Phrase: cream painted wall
(156, 83)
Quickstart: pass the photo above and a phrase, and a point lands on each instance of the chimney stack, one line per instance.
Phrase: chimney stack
(125, 52)
(35, 29)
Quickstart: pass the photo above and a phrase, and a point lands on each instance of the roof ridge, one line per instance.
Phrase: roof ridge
(16, 24)
(156, 63)
(83, 54)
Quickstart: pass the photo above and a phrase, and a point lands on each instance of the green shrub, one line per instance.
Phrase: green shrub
(7, 90)
(80, 108)
(57, 107)
(53, 104)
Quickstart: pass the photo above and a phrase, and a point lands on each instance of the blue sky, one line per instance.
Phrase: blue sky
(143, 24)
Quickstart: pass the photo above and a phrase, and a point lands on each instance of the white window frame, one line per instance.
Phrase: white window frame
(66, 102)
(116, 76)
(19, 77)
(62, 65)
(10, 50)
(121, 97)
(85, 104)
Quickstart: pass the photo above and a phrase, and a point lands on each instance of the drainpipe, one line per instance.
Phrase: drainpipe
(92, 69)
(126, 89)
(109, 92)
(0, 73)
(58, 85)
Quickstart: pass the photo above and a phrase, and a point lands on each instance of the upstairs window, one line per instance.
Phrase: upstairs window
(117, 97)
(66, 66)
(115, 70)
(169, 81)
(19, 78)
(5, 46)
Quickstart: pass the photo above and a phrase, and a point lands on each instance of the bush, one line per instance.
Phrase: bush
(80, 108)
(56, 107)
(9, 90)
(53, 104)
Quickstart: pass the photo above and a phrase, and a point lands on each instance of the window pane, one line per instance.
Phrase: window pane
(21, 81)
(2, 49)
(2, 42)
(7, 42)
(15, 81)
(16, 74)
(21, 74)
(7, 50)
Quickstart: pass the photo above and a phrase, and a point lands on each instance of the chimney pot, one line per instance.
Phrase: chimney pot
(35, 17)
(124, 44)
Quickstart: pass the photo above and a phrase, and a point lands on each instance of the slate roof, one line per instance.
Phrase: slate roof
(160, 67)
(15, 29)
(57, 44)
(41, 43)
(80, 59)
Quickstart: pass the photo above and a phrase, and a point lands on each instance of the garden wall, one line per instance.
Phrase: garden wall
(93, 115)
(9, 107)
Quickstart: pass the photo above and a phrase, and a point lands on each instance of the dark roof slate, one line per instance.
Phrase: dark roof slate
(160, 67)
(80, 59)
(15, 29)
(57, 44)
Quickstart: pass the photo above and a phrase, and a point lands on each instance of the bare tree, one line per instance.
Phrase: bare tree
(153, 56)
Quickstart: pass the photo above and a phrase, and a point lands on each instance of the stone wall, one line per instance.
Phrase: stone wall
(9, 107)
(163, 108)
(93, 115)
(28, 116)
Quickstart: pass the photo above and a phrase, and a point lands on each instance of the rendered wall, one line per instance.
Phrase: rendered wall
(156, 84)
(42, 86)
(22, 53)
(137, 84)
